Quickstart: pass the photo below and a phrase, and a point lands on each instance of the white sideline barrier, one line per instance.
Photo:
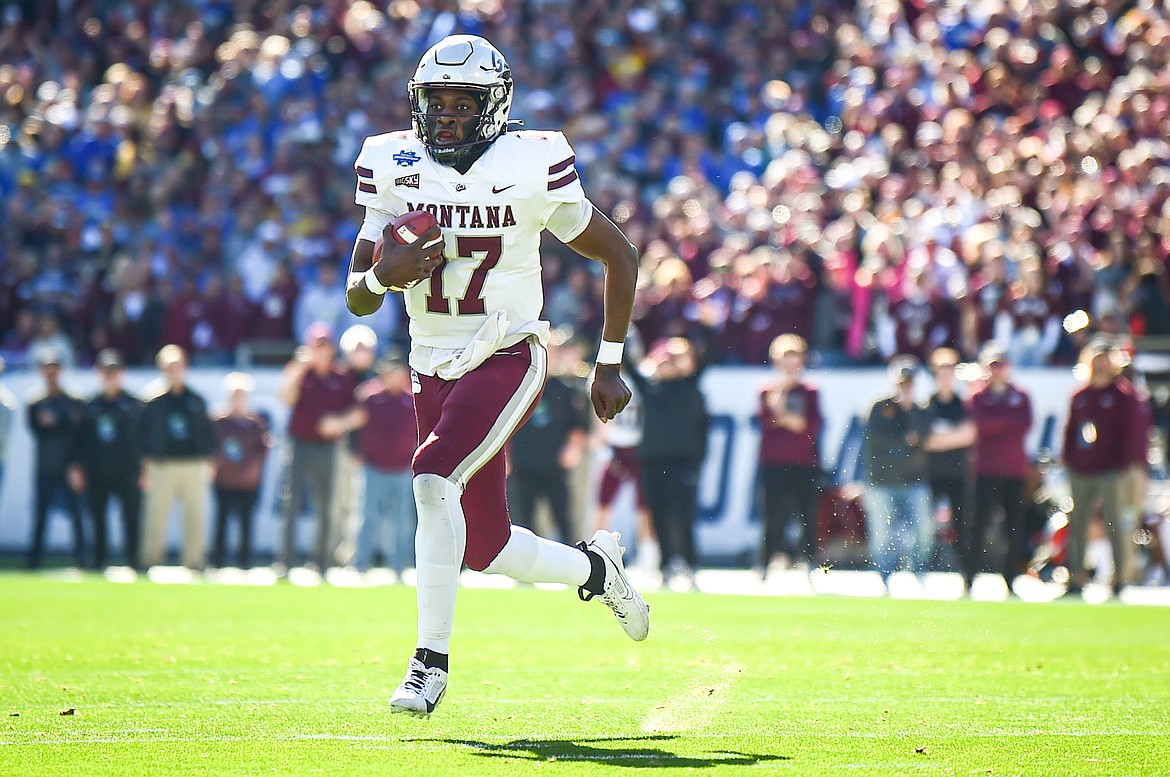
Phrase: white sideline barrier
(728, 526)
(16, 493)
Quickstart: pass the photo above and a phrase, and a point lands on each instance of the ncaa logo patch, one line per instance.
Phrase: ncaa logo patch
(410, 181)
(406, 158)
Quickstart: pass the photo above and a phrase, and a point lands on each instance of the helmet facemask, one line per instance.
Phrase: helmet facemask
(469, 142)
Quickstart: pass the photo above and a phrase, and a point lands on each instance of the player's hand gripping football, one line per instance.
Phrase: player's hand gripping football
(401, 266)
(609, 392)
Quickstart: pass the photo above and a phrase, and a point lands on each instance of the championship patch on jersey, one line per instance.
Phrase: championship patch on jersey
(410, 181)
(405, 158)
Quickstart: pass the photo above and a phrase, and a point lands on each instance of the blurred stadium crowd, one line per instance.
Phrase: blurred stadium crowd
(878, 177)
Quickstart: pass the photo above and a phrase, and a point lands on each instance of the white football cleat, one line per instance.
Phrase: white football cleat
(421, 690)
(617, 593)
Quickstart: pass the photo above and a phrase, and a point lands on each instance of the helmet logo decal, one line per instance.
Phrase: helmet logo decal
(497, 65)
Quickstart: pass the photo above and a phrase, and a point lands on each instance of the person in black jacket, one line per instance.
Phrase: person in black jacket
(177, 443)
(897, 491)
(949, 456)
(54, 417)
(674, 442)
(109, 458)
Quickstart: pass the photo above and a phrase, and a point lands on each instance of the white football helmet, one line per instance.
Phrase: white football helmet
(463, 62)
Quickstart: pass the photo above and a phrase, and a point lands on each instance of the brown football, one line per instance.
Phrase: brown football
(406, 229)
(409, 226)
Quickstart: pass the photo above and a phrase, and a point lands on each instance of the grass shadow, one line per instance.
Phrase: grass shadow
(624, 753)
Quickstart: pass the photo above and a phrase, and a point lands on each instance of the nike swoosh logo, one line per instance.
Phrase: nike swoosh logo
(498, 189)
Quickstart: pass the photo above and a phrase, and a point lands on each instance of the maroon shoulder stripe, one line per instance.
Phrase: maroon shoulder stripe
(364, 172)
(559, 166)
(562, 181)
(367, 187)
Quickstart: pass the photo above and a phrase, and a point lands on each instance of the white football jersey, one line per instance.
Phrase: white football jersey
(491, 219)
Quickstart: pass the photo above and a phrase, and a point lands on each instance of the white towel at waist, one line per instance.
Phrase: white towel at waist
(494, 334)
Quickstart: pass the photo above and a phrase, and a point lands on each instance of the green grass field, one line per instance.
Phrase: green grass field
(211, 679)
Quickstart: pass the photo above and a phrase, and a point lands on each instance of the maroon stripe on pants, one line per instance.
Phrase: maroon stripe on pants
(458, 420)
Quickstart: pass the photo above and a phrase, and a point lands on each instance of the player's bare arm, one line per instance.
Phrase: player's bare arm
(605, 243)
(398, 267)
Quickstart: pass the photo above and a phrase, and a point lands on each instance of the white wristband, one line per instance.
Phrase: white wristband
(610, 353)
(373, 284)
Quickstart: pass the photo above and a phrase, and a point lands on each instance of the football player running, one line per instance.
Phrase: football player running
(478, 355)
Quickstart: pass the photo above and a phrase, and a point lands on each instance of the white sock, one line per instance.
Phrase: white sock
(438, 547)
(649, 556)
(534, 559)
